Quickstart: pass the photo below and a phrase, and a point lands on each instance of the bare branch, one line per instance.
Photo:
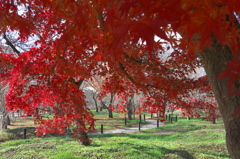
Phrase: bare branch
(10, 44)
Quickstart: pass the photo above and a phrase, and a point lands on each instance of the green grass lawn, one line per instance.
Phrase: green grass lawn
(185, 139)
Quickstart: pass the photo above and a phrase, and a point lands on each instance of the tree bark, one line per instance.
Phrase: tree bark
(8, 120)
(81, 133)
(129, 114)
(213, 121)
(5, 119)
(95, 101)
(130, 108)
(214, 59)
(110, 113)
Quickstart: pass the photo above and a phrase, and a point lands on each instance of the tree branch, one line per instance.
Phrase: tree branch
(78, 83)
(132, 59)
(101, 19)
(133, 81)
(124, 71)
(9, 43)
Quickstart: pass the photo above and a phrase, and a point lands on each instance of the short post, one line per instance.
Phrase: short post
(188, 118)
(125, 121)
(151, 115)
(157, 123)
(169, 116)
(140, 118)
(24, 133)
(171, 120)
(139, 126)
(144, 117)
(101, 128)
(176, 118)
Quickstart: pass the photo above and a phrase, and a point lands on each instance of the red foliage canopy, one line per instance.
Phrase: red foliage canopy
(76, 40)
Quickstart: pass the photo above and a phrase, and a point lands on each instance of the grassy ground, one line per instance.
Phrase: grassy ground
(115, 123)
(16, 129)
(185, 139)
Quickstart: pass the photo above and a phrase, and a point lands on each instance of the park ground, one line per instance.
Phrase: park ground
(184, 139)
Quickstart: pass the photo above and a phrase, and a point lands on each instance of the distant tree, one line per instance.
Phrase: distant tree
(91, 98)
(96, 83)
(107, 102)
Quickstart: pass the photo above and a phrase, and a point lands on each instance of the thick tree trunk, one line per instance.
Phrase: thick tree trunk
(5, 119)
(214, 60)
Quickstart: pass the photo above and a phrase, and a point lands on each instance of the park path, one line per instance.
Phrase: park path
(151, 124)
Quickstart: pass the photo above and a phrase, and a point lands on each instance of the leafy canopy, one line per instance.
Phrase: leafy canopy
(79, 39)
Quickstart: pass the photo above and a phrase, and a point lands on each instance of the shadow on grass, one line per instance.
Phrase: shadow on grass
(158, 149)
(18, 133)
(181, 128)
(154, 150)
(163, 137)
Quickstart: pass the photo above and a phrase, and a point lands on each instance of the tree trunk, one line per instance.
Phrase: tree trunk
(86, 140)
(130, 109)
(81, 133)
(214, 60)
(95, 101)
(213, 121)
(8, 120)
(5, 119)
(129, 115)
(110, 113)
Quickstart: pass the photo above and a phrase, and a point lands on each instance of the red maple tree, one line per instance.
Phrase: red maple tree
(80, 39)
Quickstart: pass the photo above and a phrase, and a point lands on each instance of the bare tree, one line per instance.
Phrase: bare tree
(107, 103)
(96, 84)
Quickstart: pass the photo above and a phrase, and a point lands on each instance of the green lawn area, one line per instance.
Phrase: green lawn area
(185, 139)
